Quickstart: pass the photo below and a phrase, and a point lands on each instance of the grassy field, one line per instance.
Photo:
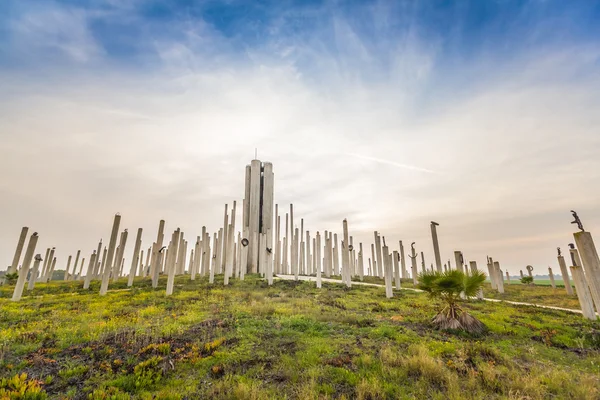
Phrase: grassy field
(251, 341)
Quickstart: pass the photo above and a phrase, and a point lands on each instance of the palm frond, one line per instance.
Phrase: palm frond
(473, 283)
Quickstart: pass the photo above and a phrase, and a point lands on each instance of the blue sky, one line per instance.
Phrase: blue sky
(481, 115)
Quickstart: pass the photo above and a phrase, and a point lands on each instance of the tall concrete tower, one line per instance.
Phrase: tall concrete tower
(257, 226)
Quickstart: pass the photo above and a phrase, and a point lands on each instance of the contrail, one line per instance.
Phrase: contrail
(392, 163)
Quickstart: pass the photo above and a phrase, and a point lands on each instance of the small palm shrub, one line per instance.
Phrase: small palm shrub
(527, 280)
(451, 287)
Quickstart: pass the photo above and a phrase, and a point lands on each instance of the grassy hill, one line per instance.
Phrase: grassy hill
(290, 340)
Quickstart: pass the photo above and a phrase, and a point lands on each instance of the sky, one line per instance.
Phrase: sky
(480, 115)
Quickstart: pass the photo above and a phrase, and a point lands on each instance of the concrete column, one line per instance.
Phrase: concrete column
(591, 263)
(244, 255)
(224, 245)
(492, 273)
(157, 266)
(96, 270)
(171, 261)
(102, 266)
(326, 259)
(380, 266)
(46, 276)
(278, 257)
(45, 259)
(34, 272)
(144, 268)
(336, 257)
(314, 262)
(473, 266)
(403, 262)
(370, 272)
(583, 293)
(238, 257)
(309, 258)
(286, 244)
(388, 272)
(254, 215)
(360, 261)
(413, 261)
(317, 251)
(499, 280)
(51, 270)
(211, 277)
(423, 267)
(179, 261)
(374, 266)
(436, 246)
(521, 272)
(295, 254)
(508, 278)
(458, 258)
(18, 292)
(65, 278)
(551, 275)
(158, 245)
(231, 240)
(90, 271)
(15, 262)
(346, 254)
(197, 255)
(135, 257)
(110, 255)
(395, 258)
(119, 255)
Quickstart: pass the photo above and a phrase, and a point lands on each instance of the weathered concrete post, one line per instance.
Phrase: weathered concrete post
(15, 262)
(583, 293)
(119, 256)
(46, 275)
(551, 276)
(413, 261)
(211, 277)
(530, 271)
(473, 266)
(315, 262)
(135, 257)
(346, 250)
(423, 267)
(499, 280)
(90, 271)
(309, 258)
(508, 277)
(110, 254)
(51, 270)
(244, 256)
(380, 267)
(521, 272)
(361, 264)
(171, 262)
(458, 258)
(336, 257)
(396, 260)
(66, 277)
(591, 263)
(317, 250)
(436, 246)
(403, 262)
(18, 292)
(492, 273)
(389, 293)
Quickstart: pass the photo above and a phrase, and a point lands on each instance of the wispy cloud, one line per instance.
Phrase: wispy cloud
(392, 163)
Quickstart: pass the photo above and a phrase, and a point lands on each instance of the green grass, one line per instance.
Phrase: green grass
(290, 341)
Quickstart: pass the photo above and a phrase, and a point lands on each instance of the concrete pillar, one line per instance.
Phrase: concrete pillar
(254, 215)
(144, 271)
(508, 278)
(46, 276)
(423, 267)
(396, 262)
(318, 252)
(369, 271)
(336, 257)
(436, 246)
(15, 262)
(458, 258)
(90, 271)
(413, 261)
(403, 262)
(591, 264)
(119, 255)
(309, 258)
(583, 293)
(360, 261)
(374, 264)
(66, 277)
(223, 245)
(211, 277)
(157, 246)
(18, 292)
(110, 254)
(292, 239)
(380, 266)
(181, 252)
(492, 273)
(245, 249)
(278, 256)
(388, 272)
(171, 261)
(103, 265)
(551, 276)
(295, 254)
(521, 272)
(314, 262)
(286, 244)
(530, 270)
(51, 270)
(135, 257)
(473, 266)
(45, 259)
(499, 280)
(196, 257)
(346, 254)
(96, 270)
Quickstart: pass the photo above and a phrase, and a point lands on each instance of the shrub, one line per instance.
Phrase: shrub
(20, 388)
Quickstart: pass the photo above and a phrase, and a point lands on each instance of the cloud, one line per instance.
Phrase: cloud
(496, 147)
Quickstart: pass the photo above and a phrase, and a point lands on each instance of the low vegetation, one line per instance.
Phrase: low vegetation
(290, 340)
